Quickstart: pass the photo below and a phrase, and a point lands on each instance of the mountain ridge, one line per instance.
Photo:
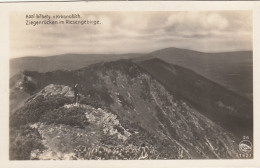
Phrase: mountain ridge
(209, 97)
(164, 123)
(232, 70)
(171, 112)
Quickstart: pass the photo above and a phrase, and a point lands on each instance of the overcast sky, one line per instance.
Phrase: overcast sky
(134, 32)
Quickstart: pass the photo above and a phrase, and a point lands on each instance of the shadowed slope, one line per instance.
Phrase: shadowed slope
(226, 108)
(145, 111)
(233, 70)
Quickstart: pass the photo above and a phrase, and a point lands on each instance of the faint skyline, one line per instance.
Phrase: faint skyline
(134, 32)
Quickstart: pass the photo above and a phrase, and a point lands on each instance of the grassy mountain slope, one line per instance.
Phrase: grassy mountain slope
(226, 108)
(233, 70)
(123, 109)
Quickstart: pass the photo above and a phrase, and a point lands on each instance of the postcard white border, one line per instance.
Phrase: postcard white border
(7, 8)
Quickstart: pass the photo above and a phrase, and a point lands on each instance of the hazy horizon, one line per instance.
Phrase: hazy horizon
(134, 32)
(27, 56)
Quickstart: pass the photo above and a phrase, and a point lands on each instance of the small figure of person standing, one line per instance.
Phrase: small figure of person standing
(76, 94)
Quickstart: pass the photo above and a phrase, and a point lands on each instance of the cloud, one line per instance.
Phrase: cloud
(195, 24)
(124, 32)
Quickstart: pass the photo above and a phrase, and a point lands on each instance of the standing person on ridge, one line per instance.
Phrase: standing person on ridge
(76, 93)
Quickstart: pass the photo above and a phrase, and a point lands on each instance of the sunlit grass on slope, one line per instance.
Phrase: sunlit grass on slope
(66, 142)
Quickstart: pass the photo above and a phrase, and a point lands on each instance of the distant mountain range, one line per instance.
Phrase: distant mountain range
(136, 108)
(62, 62)
(233, 70)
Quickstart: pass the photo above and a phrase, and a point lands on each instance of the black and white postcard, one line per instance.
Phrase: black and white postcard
(120, 83)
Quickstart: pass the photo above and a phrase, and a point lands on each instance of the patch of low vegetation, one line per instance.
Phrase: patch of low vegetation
(74, 116)
(23, 141)
(118, 152)
(124, 102)
(146, 92)
(90, 101)
(33, 110)
(29, 87)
